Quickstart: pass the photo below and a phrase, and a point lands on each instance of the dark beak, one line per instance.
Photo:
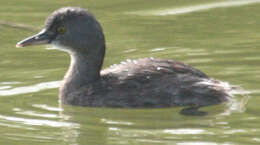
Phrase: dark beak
(43, 37)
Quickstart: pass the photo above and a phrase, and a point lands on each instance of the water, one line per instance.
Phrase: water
(221, 38)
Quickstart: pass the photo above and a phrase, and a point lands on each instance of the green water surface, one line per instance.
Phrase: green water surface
(219, 37)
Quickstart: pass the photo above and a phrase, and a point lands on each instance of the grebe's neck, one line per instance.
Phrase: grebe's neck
(84, 69)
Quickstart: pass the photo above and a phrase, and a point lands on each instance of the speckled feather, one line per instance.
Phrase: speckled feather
(150, 83)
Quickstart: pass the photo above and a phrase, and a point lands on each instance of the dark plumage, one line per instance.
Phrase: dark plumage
(139, 83)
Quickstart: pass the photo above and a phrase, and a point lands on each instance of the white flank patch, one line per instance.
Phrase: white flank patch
(196, 8)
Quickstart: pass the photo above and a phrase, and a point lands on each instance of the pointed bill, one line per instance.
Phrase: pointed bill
(43, 37)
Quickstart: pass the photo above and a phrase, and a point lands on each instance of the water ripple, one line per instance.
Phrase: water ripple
(39, 122)
(196, 8)
(198, 143)
(32, 113)
(186, 131)
(116, 122)
(30, 89)
(46, 107)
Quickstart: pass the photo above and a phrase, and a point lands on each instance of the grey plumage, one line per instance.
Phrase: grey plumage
(138, 83)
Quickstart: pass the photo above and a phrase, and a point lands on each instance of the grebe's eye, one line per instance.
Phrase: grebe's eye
(61, 29)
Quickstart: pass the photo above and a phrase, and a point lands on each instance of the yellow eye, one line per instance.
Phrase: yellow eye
(61, 30)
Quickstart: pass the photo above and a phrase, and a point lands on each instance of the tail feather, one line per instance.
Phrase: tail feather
(236, 96)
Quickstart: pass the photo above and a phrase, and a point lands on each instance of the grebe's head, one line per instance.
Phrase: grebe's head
(72, 29)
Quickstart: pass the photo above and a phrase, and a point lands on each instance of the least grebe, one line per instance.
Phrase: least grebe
(138, 83)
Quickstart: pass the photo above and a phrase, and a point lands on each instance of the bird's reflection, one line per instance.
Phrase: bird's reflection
(121, 126)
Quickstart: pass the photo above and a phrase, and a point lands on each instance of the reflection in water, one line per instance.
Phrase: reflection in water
(5, 87)
(33, 113)
(200, 143)
(157, 49)
(38, 122)
(256, 139)
(29, 89)
(129, 50)
(116, 122)
(60, 128)
(123, 126)
(186, 131)
(79, 125)
(190, 9)
(46, 107)
(9, 83)
(233, 131)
